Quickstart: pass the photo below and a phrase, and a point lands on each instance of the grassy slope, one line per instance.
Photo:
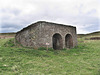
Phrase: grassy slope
(83, 60)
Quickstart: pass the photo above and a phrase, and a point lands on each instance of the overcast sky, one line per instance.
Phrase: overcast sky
(17, 14)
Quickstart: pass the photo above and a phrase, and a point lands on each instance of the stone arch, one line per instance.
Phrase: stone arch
(68, 41)
(57, 41)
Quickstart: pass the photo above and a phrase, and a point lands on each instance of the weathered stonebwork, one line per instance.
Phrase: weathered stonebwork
(58, 36)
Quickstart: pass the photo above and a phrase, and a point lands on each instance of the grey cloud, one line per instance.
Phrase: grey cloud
(14, 11)
(10, 25)
(50, 12)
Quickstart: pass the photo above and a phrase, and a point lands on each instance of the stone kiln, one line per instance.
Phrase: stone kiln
(58, 36)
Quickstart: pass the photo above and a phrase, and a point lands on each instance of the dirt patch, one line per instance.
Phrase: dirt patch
(95, 38)
(5, 37)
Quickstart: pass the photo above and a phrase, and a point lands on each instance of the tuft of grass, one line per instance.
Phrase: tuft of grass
(42, 48)
(10, 43)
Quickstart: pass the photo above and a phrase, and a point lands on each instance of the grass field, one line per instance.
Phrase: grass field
(82, 60)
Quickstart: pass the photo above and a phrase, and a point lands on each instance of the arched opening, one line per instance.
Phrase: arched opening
(68, 41)
(57, 41)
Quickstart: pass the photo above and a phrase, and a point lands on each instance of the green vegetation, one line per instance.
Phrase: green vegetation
(82, 60)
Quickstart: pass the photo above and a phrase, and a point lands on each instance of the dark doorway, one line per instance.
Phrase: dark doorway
(57, 41)
(68, 41)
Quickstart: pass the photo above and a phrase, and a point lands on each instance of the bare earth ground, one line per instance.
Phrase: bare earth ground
(4, 37)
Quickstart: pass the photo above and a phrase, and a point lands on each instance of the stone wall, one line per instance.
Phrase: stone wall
(40, 33)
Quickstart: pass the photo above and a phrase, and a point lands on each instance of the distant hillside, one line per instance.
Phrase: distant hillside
(7, 34)
(94, 34)
(90, 34)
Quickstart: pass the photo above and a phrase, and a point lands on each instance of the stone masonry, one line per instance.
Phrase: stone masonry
(58, 36)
